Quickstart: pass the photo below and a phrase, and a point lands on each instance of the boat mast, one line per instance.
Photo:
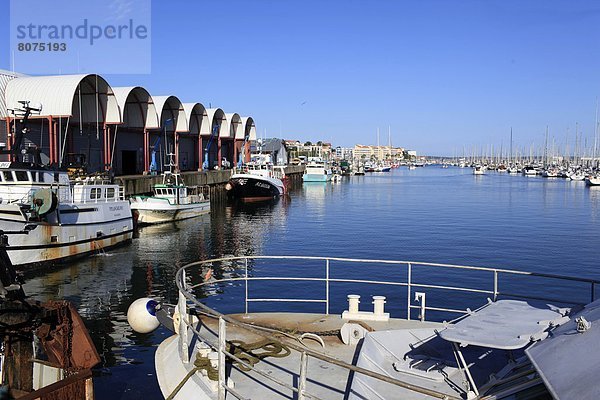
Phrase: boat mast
(378, 148)
(595, 136)
(390, 140)
(546, 149)
(511, 150)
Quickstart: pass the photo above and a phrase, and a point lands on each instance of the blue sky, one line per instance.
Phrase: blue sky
(443, 75)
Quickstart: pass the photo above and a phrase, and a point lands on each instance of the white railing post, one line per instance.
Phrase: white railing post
(246, 281)
(302, 378)
(495, 285)
(408, 283)
(183, 329)
(222, 348)
(327, 287)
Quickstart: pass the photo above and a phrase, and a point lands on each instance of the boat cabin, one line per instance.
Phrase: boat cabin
(17, 184)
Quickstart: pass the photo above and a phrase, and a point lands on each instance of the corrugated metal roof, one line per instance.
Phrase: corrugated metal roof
(140, 111)
(169, 107)
(236, 129)
(216, 115)
(5, 77)
(58, 96)
(249, 127)
(197, 118)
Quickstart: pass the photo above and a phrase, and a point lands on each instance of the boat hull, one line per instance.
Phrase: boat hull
(592, 181)
(158, 212)
(70, 232)
(316, 177)
(248, 187)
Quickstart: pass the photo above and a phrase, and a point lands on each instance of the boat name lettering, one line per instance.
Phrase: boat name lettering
(115, 208)
(262, 185)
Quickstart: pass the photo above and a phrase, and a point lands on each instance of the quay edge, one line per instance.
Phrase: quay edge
(215, 179)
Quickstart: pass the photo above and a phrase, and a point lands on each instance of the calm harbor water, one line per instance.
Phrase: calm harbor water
(429, 214)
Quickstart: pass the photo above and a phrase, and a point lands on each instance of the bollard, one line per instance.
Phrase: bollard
(353, 301)
(378, 305)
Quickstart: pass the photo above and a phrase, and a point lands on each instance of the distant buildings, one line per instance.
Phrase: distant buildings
(295, 151)
(344, 153)
(308, 150)
(381, 153)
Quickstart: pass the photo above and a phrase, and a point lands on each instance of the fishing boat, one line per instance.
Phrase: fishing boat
(67, 217)
(478, 170)
(317, 172)
(257, 182)
(504, 335)
(171, 201)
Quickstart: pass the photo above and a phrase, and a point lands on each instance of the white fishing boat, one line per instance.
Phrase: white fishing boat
(171, 201)
(506, 335)
(317, 172)
(478, 170)
(67, 219)
(64, 218)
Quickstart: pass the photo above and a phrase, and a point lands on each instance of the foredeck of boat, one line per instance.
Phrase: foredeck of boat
(324, 380)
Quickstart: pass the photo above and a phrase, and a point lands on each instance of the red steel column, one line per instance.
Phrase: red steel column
(8, 137)
(51, 140)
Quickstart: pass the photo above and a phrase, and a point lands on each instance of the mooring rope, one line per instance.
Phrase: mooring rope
(247, 352)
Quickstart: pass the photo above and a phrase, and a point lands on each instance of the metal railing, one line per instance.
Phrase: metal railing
(188, 299)
(493, 287)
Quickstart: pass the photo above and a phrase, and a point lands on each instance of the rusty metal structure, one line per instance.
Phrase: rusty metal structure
(60, 367)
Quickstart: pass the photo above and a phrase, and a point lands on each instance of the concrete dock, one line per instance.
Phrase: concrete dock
(215, 179)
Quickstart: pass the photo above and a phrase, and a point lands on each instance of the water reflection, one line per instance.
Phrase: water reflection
(429, 214)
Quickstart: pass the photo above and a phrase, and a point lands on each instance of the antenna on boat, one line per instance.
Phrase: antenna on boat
(23, 115)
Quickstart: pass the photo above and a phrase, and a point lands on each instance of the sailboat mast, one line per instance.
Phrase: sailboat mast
(390, 140)
(546, 149)
(511, 150)
(378, 147)
(595, 135)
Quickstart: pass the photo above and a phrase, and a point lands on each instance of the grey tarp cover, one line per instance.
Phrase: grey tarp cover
(568, 361)
(505, 324)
